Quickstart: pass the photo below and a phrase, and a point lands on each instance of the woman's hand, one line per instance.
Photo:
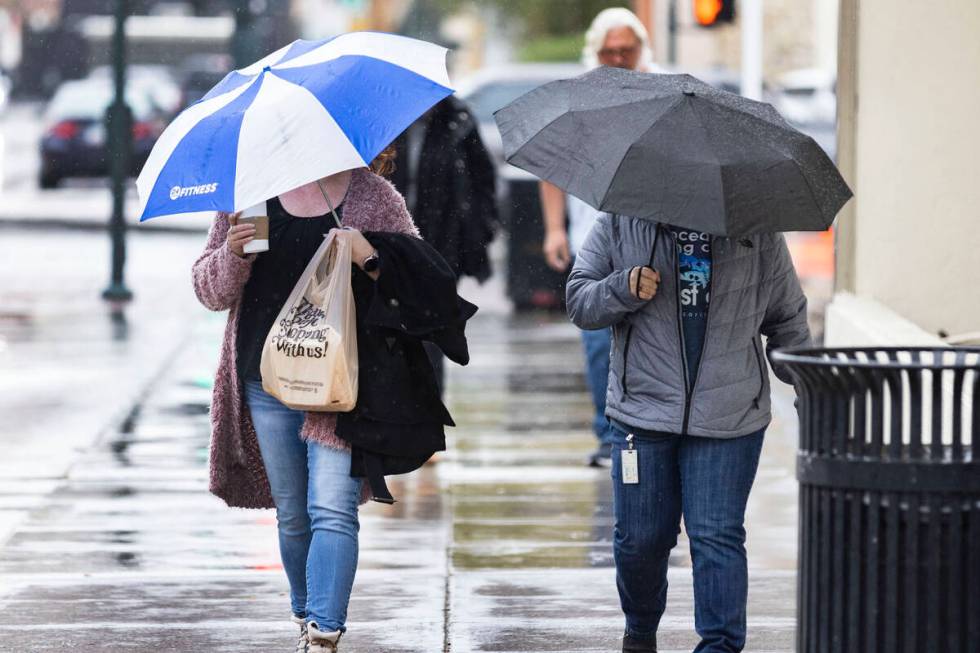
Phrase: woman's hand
(360, 248)
(644, 282)
(239, 235)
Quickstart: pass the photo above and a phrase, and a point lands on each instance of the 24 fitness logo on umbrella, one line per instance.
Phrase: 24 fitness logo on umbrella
(205, 189)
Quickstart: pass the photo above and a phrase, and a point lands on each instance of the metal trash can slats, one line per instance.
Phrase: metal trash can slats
(889, 469)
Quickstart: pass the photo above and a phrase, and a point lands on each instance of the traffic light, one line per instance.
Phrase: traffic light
(709, 13)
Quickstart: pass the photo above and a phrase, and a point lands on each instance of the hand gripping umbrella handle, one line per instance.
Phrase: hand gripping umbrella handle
(653, 252)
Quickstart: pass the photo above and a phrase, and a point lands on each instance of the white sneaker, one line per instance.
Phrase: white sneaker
(303, 643)
(321, 642)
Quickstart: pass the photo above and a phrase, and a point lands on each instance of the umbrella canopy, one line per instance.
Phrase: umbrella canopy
(311, 109)
(671, 148)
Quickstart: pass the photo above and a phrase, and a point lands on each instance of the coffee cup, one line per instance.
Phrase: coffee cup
(258, 216)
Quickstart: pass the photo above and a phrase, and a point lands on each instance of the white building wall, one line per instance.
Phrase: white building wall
(911, 155)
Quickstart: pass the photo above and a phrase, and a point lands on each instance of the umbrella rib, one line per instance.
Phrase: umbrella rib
(618, 167)
(712, 91)
(531, 138)
(806, 179)
(707, 141)
(813, 194)
(672, 92)
(749, 114)
(787, 155)
(626, 154)
(764, 122)
(625, 103)
(528, 142)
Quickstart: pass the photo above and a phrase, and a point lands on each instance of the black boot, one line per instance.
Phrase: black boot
(637, 645)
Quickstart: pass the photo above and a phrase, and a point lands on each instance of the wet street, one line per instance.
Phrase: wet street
(109, 541)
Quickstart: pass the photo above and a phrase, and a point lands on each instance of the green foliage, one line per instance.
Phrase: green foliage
(553, 48)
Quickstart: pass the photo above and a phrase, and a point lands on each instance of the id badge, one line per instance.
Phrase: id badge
(630, 466)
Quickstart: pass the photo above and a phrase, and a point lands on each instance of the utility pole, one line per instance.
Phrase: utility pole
(244, 46)
(119, 121)
(751, 20)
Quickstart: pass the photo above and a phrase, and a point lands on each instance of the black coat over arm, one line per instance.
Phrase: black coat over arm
(399, 420)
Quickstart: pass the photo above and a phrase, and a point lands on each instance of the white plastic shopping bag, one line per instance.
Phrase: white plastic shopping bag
(309, 361)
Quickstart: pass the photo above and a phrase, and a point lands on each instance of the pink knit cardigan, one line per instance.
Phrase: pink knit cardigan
(237, 473)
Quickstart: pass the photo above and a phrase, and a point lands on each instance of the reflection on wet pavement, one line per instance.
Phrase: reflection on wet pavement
(130, 550)
(531, 560)
(502, 545)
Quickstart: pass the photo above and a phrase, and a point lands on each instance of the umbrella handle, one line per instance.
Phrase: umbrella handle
(319, 185)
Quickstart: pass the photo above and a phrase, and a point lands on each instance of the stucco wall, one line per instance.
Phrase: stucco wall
(914, 234)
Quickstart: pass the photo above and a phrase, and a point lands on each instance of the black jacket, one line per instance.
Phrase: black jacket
(399, 419)
(455, 204)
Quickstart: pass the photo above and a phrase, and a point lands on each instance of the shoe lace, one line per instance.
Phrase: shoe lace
(303, 643)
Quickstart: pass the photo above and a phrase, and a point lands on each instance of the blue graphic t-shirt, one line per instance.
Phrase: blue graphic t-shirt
(694, 260)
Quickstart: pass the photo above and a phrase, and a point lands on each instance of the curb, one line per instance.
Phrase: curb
(61, 224)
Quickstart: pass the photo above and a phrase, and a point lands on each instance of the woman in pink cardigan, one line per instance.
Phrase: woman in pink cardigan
(264, 454)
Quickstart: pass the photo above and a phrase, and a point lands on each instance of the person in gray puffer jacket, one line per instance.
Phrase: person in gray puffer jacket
(688, 396)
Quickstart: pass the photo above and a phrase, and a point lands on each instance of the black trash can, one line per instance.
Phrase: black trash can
(889, 472)
(531, 284)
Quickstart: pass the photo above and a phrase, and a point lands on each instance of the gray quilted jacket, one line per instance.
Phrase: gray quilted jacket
(753, 290)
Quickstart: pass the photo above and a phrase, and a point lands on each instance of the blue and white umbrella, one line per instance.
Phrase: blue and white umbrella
(309, 110)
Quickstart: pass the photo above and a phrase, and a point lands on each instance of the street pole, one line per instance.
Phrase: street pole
(119, 128)
(243, 46)
(672, 33)
(751, 19)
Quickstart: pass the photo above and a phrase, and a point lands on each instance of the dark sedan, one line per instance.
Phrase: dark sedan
(74, 143)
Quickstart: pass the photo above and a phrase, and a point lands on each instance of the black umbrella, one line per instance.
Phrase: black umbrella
(673, 149)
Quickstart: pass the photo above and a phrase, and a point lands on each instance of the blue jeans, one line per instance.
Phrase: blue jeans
(597, 345)
(708, 481)
(316, 508)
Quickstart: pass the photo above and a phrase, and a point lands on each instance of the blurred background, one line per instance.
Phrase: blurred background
(105, 404)
(56, 84)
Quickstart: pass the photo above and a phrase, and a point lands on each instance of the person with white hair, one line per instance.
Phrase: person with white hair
(687, 399)
(615, 38)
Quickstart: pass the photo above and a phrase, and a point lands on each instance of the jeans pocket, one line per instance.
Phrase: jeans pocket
(618, 438)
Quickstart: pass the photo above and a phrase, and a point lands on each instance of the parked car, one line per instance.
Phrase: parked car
(74, 142)
(496, 86)
(807, 96)
(157, 81)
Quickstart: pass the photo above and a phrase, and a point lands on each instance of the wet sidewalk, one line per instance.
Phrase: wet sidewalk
(503, 545)
(530, 560)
